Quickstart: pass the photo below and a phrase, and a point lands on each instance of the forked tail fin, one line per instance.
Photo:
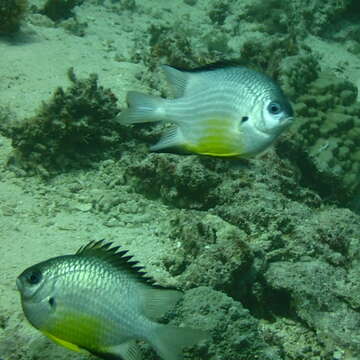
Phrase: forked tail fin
(142, 108)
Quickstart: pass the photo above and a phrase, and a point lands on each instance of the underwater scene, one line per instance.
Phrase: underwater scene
(180, 179)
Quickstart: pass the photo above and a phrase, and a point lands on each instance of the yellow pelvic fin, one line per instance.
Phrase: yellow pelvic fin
(66, 344)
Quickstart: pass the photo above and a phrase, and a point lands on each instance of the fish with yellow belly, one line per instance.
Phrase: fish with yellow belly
(228, 112)
(100, 301)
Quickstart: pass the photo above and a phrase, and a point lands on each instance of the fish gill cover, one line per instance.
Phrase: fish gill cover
(267, 250)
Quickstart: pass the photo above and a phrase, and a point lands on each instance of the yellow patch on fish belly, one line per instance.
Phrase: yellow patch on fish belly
(219, 138)
(76, 332)
(64, 343)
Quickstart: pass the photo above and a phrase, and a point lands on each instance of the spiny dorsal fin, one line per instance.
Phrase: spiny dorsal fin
(120, 259)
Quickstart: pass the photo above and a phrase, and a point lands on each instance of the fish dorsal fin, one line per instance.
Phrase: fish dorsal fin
(119, 259)
(177, 79)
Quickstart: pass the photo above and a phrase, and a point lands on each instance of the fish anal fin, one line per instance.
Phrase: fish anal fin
(172, 137)
(125, 351)
(170, 341)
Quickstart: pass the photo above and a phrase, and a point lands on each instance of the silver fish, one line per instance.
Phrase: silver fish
(100, 301)
(230, 111)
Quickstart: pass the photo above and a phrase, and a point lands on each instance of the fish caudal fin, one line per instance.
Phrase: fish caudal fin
(142, 108)
(169, 341)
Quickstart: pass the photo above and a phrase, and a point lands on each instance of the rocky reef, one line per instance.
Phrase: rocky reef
(327, 137)
(55, 10)
(257, 238)
(12, 13)
(70, 131)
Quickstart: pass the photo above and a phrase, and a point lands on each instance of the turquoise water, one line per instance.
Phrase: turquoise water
(265, 249)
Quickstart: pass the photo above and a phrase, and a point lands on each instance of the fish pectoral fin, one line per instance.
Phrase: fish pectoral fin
(66, 344)
(125, 351)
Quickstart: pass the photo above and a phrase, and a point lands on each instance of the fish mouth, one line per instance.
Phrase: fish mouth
(19, 285)
(27, 293)
(282, 124)
(287, 121)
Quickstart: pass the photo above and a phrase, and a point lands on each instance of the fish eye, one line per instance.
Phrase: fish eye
(274, 108)
(34, 277)
(244, 119)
